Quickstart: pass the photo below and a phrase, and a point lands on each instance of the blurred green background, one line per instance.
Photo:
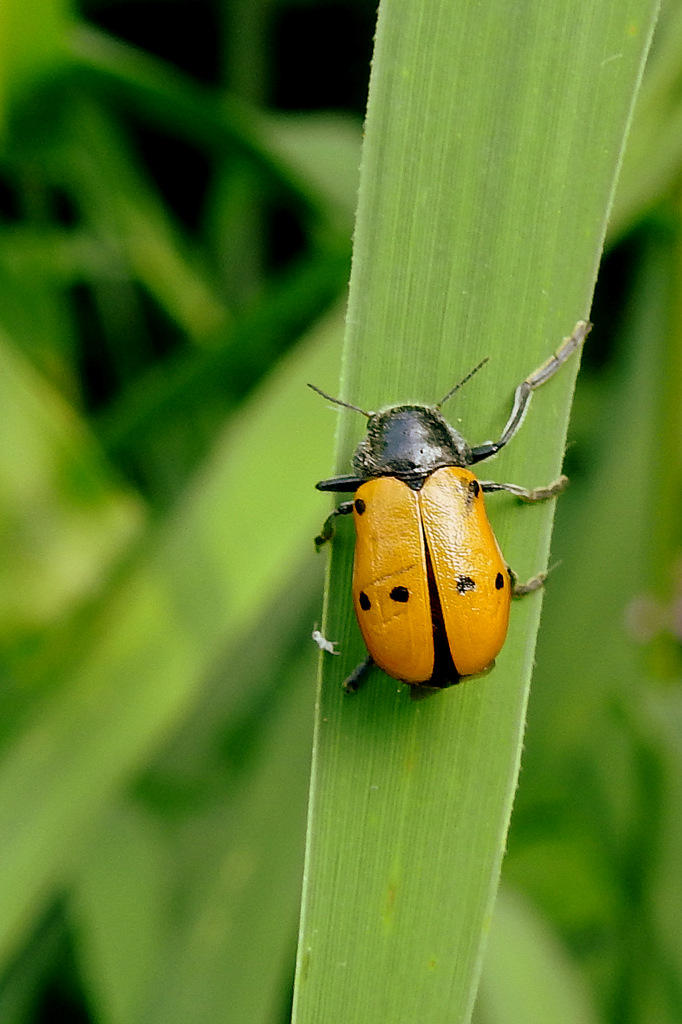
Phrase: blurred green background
(177, 190)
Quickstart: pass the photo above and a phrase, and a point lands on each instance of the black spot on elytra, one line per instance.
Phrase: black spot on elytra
(400, 594)
(499, 581)
(360, 506)
(365, 602)
(465, 583)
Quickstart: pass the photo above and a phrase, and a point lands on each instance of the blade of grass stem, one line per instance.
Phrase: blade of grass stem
(492, 143)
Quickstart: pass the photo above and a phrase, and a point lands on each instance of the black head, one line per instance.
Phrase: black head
(409, 442)
(405, 441)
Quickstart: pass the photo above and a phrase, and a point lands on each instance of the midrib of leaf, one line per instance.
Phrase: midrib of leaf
(492, 142)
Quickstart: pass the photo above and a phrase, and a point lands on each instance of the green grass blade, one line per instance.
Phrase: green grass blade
(528, 976)
(32, 44)
(231, 863)
(138, 662)
(162, 94)
(492, 144)
(652, 159)
(596, 838)
(65, 519)
(119, 203)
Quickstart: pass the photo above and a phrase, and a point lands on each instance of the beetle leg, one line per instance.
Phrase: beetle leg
(536, 494)
(358, 676)
(533, 584)
(327, 531)
(524, 391)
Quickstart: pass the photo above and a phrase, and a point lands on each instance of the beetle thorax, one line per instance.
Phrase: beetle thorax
(409, 442)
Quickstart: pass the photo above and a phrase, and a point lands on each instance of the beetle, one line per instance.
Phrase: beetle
(431, 589)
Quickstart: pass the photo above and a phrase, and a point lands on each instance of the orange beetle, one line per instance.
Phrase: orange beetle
(431, 588)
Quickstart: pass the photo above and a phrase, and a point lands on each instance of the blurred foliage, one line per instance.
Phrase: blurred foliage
(177, 186)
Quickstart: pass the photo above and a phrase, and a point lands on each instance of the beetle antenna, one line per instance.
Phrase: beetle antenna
(337, 401)
(462, 382)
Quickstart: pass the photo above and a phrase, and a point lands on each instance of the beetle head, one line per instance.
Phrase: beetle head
(409, 442)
